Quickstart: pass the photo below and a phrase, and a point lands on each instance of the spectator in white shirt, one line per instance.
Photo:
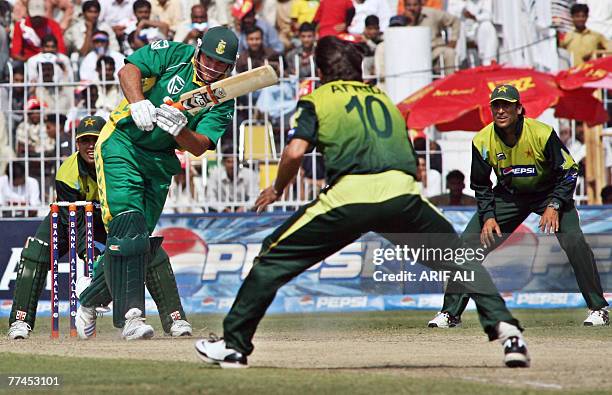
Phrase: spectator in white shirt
(189, 31)
(119, 14)
(78, 38)
(22, 191)
(363, 8)
(60, 63)
(109, 95)
(101, 48)
(145, 28)
(229, 184)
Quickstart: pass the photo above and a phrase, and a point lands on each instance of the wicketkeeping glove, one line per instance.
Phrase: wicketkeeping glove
(170, 119)
(143, 114)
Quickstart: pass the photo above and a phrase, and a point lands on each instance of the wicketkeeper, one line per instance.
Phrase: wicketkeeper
(75, 180)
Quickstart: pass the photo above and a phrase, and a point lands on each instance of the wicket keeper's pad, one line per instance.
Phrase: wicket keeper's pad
(126, 256)
(31, 277)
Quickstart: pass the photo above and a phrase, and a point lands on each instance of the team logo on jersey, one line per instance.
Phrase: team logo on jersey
(160, 44)
(175, 85)
(221, 47)
(501, 156)
(520, 171)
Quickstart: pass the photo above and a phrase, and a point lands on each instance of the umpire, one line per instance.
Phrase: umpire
(535, 174)
(75, 180)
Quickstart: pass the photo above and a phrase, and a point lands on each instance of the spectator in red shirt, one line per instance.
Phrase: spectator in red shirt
(29, 31)
(333, 17)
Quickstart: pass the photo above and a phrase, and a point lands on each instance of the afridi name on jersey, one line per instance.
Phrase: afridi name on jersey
(357, 128)
(537, 165)
(168, 71)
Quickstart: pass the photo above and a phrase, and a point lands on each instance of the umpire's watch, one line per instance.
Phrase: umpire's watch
(554, 205)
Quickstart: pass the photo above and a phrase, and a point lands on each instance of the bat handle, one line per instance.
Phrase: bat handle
(170, 102)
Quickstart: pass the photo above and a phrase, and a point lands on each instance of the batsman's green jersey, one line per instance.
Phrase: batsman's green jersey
(357, 128)
(135, 167)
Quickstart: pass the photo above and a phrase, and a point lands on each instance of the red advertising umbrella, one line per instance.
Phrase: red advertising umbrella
(461, 100)
(592, 74)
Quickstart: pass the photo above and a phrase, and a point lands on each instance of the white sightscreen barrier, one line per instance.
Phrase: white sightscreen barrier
(407, 60)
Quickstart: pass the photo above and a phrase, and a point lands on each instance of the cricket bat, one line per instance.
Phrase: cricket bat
(226, 89)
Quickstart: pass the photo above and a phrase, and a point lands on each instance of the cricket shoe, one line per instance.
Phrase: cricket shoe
(515, 353)
(180, 328)
(85, 322)
(214, 351)
(19, 330)
(597, 318)
(135, 327)
(444, 320)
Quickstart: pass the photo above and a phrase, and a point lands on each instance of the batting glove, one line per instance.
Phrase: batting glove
(170, 119)
(143, 114)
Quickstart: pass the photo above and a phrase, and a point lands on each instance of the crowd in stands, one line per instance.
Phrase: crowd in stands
(59, 60)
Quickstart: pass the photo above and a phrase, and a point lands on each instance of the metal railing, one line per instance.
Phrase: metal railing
(227, 179)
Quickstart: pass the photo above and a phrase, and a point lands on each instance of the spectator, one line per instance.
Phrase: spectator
(365, 8)
(189, 31)
(21, 191)
(437, 21)
(118, 14)
(5, 35)
(373, 37)
(283, 23)
(29, 31)
(59, 97)
(437, 4)
(86, 97)
(582, 42)
(31, 136)
(606, 195)
(300, 59)
(219, 10)
(601, 16)
(109, 95)
(79, 37)
(61, 63)
(229, 183)
(270, 36)
(455, 183)
(168, 11)
(53, 10)
(54, 125)
(88, 70)
(430, 180)
(257, 53)
(333, 17)
(302, 11)
(477, 24)
(146, 30)
(13, 98)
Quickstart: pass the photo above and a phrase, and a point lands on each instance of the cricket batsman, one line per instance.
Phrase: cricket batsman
(75, 180)
(135, 161)
(371, 166)
(535, 174)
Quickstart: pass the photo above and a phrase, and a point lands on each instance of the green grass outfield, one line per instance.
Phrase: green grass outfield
(457, 370)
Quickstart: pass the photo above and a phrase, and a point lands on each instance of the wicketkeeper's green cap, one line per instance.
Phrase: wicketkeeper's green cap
(220, 43)
(91, 125)
(505, 92)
